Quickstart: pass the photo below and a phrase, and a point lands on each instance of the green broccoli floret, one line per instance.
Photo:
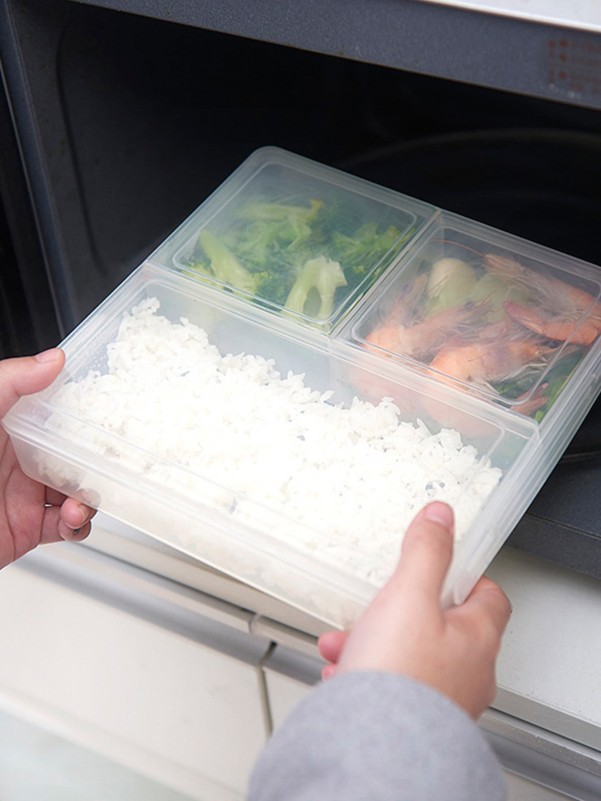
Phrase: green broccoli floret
(256, 243)
(366, 243)
(195, 268)
(225, 266)
(274, 285)
(271, 227)
(317, 283)
(365, 248)
(272, 212)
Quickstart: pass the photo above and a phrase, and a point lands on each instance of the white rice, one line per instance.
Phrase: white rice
(353, 477)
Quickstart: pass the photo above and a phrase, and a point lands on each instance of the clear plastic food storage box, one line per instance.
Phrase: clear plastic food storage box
(291, 449)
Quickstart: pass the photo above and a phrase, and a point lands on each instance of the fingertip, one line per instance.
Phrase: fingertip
(486, 585)
(75, 514)
(49, 356)
(440, 513)
(493, 600)
(328, 671)
(421, 532)
(24, 375)
(75, 534)
(431, 528)
(427, 551)
(330, 644)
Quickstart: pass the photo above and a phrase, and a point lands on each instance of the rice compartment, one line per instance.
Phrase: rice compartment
(250, 449)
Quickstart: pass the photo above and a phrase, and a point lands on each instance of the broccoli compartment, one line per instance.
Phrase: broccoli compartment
(305, 256)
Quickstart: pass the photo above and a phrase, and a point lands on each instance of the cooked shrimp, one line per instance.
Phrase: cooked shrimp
(488, 361)
(422, 339)
(554, 327)
(563, 304)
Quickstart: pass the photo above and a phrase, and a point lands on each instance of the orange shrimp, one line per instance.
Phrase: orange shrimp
(563, 305)
(490, 360)
(423, 339)
(554, 327)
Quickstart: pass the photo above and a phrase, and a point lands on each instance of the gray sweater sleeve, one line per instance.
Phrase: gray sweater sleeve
(377, 737)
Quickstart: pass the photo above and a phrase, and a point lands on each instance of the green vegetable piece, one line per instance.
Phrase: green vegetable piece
(274, 285)
(226, 267)
(449, 284)
(364, 246)
(281, 211)
(279, 222)
(320, 276)
(494, 293)
(201, 268)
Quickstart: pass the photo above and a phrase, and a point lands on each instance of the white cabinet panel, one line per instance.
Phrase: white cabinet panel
(37, 765)
(289, 675)
(170, 707)
(284, 694)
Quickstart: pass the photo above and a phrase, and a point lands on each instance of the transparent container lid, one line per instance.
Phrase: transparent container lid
(487, 312)
(294, 236)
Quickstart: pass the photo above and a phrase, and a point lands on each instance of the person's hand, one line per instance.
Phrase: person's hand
(31, 513)
(406, 631)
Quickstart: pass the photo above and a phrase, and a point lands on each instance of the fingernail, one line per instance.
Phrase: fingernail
(50, 355)
(440, 513)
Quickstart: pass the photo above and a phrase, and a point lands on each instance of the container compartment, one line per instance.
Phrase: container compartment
(296, 237)
(489, 313)
(171, 417)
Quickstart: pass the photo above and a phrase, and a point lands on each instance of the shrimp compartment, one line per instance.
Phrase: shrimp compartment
(487, 313)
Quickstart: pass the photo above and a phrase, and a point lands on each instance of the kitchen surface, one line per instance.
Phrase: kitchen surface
(129, 668)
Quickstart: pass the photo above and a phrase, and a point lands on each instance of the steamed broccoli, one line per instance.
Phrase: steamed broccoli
(317, 283)
(266, 211)
(265, 231)
(296, 254)
(224, 264)
(274, 285)
(365, 247)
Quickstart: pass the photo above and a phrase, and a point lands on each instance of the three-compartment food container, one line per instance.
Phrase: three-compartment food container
(305, 363)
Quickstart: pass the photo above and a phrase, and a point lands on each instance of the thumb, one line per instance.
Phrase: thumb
(27, 374)
(426, 555)
(409, 602)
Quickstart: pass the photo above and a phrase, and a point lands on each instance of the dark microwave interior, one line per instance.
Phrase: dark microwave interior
(137, 120)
